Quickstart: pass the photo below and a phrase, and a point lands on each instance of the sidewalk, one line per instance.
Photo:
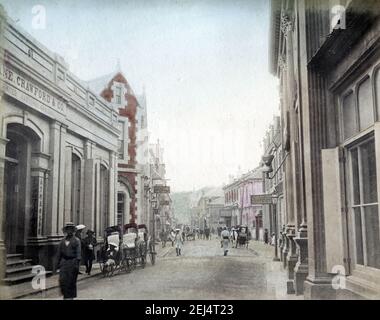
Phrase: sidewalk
(276, 275)
(22, 290)
(25, 289)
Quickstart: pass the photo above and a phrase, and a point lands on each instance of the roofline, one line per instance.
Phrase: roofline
(274, 35)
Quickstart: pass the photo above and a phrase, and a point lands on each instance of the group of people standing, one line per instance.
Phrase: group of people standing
(176, 237)
(71, 251)
(269, 240)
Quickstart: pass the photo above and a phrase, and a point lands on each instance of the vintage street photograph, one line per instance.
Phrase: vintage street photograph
(189, 150)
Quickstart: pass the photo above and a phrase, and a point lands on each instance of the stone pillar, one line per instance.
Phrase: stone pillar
(282, 237)
(37, 213)
(3, 289)
(301, 269)
(68, 164)
(291, 258)
(314, 14)
(291, 192)
(56, 182)
(89, 201)
(56, 193)
(97, 195)
(37, 239)
(112, 217)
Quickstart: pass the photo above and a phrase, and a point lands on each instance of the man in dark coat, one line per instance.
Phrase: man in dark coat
(266, 236)
(69, 256)
(88, 244)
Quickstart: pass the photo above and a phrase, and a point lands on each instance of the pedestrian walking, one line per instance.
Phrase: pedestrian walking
(172, 237)
(178, 242)
(273, 240)
(163, 237)
(88, 245)
(78, 233)
(266, 236)
(225, 240)
(69, 256)
(219, 231)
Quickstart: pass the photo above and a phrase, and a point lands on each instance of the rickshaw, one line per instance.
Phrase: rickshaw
(130, 234)
(242, 237)
(110, 256)
(190, 235)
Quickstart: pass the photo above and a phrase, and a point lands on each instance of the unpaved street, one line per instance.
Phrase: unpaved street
(202, 272)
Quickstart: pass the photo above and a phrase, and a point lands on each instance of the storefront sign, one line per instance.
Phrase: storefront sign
(161, 189)
(29, 88)
(225, 213)
(261, 199)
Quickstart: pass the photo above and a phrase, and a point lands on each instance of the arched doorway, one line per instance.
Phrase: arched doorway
(19, 220)
(123, 202)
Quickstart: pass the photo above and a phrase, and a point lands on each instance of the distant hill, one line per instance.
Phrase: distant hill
(181, 205)
(184, 201)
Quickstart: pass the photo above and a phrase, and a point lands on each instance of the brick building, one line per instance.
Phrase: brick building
(115, 89)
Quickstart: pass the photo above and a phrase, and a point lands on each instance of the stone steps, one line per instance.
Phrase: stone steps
(20, 270)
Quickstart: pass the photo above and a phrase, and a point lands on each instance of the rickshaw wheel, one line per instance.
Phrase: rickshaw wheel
(133, 263)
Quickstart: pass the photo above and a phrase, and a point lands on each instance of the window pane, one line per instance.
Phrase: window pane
(372, 236)
(355, 176)
(368, 158)
(349, 116)
(358, 236)
(365, 101)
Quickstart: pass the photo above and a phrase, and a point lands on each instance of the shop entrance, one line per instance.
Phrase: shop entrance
(17, 185)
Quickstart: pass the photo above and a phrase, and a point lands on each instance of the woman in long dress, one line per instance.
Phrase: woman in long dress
(178, 242)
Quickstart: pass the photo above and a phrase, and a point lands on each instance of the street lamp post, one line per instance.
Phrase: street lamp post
(267, 168)
(154, 205)
(274, 212)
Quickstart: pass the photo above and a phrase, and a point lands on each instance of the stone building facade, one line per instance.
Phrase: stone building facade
(326, 55)
(273, 182)
(58, 150)
(162, 213)
(238, 209)
(142, 157)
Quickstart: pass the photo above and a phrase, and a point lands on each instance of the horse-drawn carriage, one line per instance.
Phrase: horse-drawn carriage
(124, 248)
(242, 236)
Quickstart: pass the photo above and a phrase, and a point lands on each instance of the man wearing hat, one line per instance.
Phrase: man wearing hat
(88, 244)
(69, 256)
(225, 240)
(78, 233)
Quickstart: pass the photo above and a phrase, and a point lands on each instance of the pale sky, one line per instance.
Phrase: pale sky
(204, 65)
